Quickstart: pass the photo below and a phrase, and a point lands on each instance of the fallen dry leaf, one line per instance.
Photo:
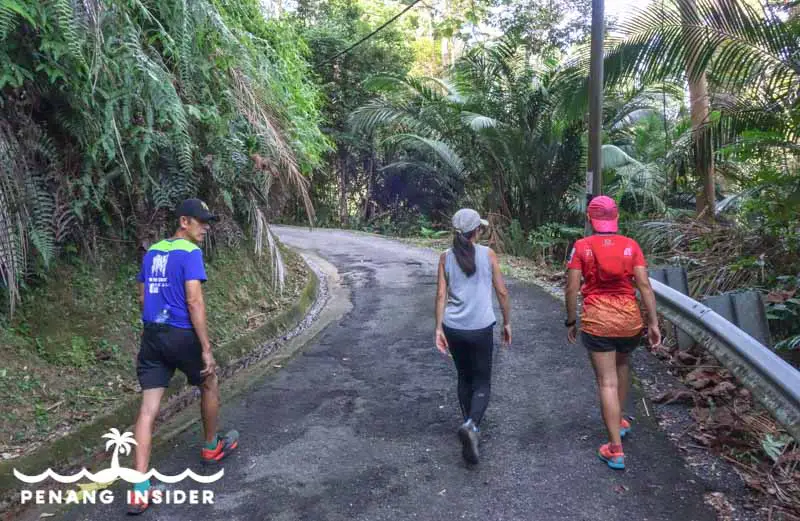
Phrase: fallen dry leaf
(699, 383)
(675, 395)
(661, 352)
(686, 358)
(721, 389)
(619, 489)
(703, 438)
(779, 297)
(720, 503)
(703, 373)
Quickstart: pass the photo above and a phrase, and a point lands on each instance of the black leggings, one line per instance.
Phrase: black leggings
(472, 354)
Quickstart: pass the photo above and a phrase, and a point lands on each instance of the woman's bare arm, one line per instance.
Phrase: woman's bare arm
(500, 288)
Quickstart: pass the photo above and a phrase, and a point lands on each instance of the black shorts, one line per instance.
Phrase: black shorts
(165, 348)
(606, 344)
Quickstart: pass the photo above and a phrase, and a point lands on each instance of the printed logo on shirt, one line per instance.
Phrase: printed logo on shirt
(588, 253)
(628, 252)
(159, 266)
(158, 273)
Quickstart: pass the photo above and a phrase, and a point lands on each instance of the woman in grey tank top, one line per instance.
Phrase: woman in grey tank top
(465, 320)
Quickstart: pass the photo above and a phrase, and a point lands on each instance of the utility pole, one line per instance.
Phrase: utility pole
(594, 176)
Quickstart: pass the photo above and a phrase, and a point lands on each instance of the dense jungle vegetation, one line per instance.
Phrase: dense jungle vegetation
(112, 111)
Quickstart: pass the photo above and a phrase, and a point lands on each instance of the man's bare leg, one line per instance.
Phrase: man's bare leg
(143, 432)
(209, 407)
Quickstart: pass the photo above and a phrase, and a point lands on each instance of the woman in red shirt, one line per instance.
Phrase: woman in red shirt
(612, 267)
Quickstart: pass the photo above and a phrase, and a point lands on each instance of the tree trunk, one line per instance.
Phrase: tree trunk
(145, 235)
(343, 214)
(702, 146)
(700, 109)
(369, 169)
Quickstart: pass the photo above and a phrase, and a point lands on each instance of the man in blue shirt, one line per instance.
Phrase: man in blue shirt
(176, 337)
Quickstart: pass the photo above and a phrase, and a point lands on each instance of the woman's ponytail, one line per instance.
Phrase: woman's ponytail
(464, 251)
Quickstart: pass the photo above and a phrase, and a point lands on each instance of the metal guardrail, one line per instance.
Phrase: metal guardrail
(773, 382)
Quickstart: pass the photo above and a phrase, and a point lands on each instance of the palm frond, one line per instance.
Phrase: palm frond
(261, 231)
(10, 14)
(441, 150)
(614, 157)
(257, 113)
(478, 122)
(380, 113)
(726, 37)
(430, 89)
(68, 26)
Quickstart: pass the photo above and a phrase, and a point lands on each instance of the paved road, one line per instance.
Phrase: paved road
(361, 425)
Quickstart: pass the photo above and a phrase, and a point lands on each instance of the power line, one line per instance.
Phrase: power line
(370, 35)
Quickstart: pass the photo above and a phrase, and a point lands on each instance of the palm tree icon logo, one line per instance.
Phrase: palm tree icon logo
(122, 443)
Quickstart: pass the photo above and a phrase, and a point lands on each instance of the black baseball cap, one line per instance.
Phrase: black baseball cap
(197, 209)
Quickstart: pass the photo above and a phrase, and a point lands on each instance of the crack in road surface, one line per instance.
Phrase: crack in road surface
(361, 424)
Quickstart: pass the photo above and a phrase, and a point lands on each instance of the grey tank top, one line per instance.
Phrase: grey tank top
(469, 299)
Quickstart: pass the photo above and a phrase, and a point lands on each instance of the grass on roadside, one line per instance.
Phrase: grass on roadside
(69, 352)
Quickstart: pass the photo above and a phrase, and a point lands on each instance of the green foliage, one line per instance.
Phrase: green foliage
(343, 188)
(547, 243)
(789, 344)
(783, 312)
(551, 241)
(486, 136)
(518, 243)
(774, 447)
(637, 187)
(543, 26)
(115, 110)
(75, 337)
(428, 233)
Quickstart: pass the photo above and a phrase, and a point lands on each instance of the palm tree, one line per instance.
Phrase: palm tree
(726, 47)
(700, 111)
(740, 62)
(630, 181)
(122, 443)
(491, 130)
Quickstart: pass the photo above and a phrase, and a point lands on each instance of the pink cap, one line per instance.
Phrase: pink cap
(603, 214)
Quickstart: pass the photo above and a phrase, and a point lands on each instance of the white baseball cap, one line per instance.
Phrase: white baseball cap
(467, 219)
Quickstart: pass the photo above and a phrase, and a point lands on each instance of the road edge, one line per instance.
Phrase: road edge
(323, 300)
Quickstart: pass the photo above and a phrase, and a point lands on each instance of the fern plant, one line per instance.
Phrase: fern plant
(131, 106)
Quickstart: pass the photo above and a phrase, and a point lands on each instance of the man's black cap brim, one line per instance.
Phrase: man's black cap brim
(208, 218)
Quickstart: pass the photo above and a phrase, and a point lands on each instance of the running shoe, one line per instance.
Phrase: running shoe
(138, 503)
(624, 427)
(225, 445)
(615, 460)
(468, 434)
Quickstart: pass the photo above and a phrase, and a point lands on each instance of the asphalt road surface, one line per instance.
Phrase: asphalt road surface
(361, 424)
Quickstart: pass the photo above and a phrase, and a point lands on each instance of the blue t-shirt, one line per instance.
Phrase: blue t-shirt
(165, 268)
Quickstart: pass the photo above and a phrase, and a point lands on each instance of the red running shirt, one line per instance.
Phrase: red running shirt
(610, 308)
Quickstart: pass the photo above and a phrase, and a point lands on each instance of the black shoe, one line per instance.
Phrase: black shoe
(468, 434)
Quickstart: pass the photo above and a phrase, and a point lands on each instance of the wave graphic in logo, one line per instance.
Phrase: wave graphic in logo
(122, 443)
(109, 475)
